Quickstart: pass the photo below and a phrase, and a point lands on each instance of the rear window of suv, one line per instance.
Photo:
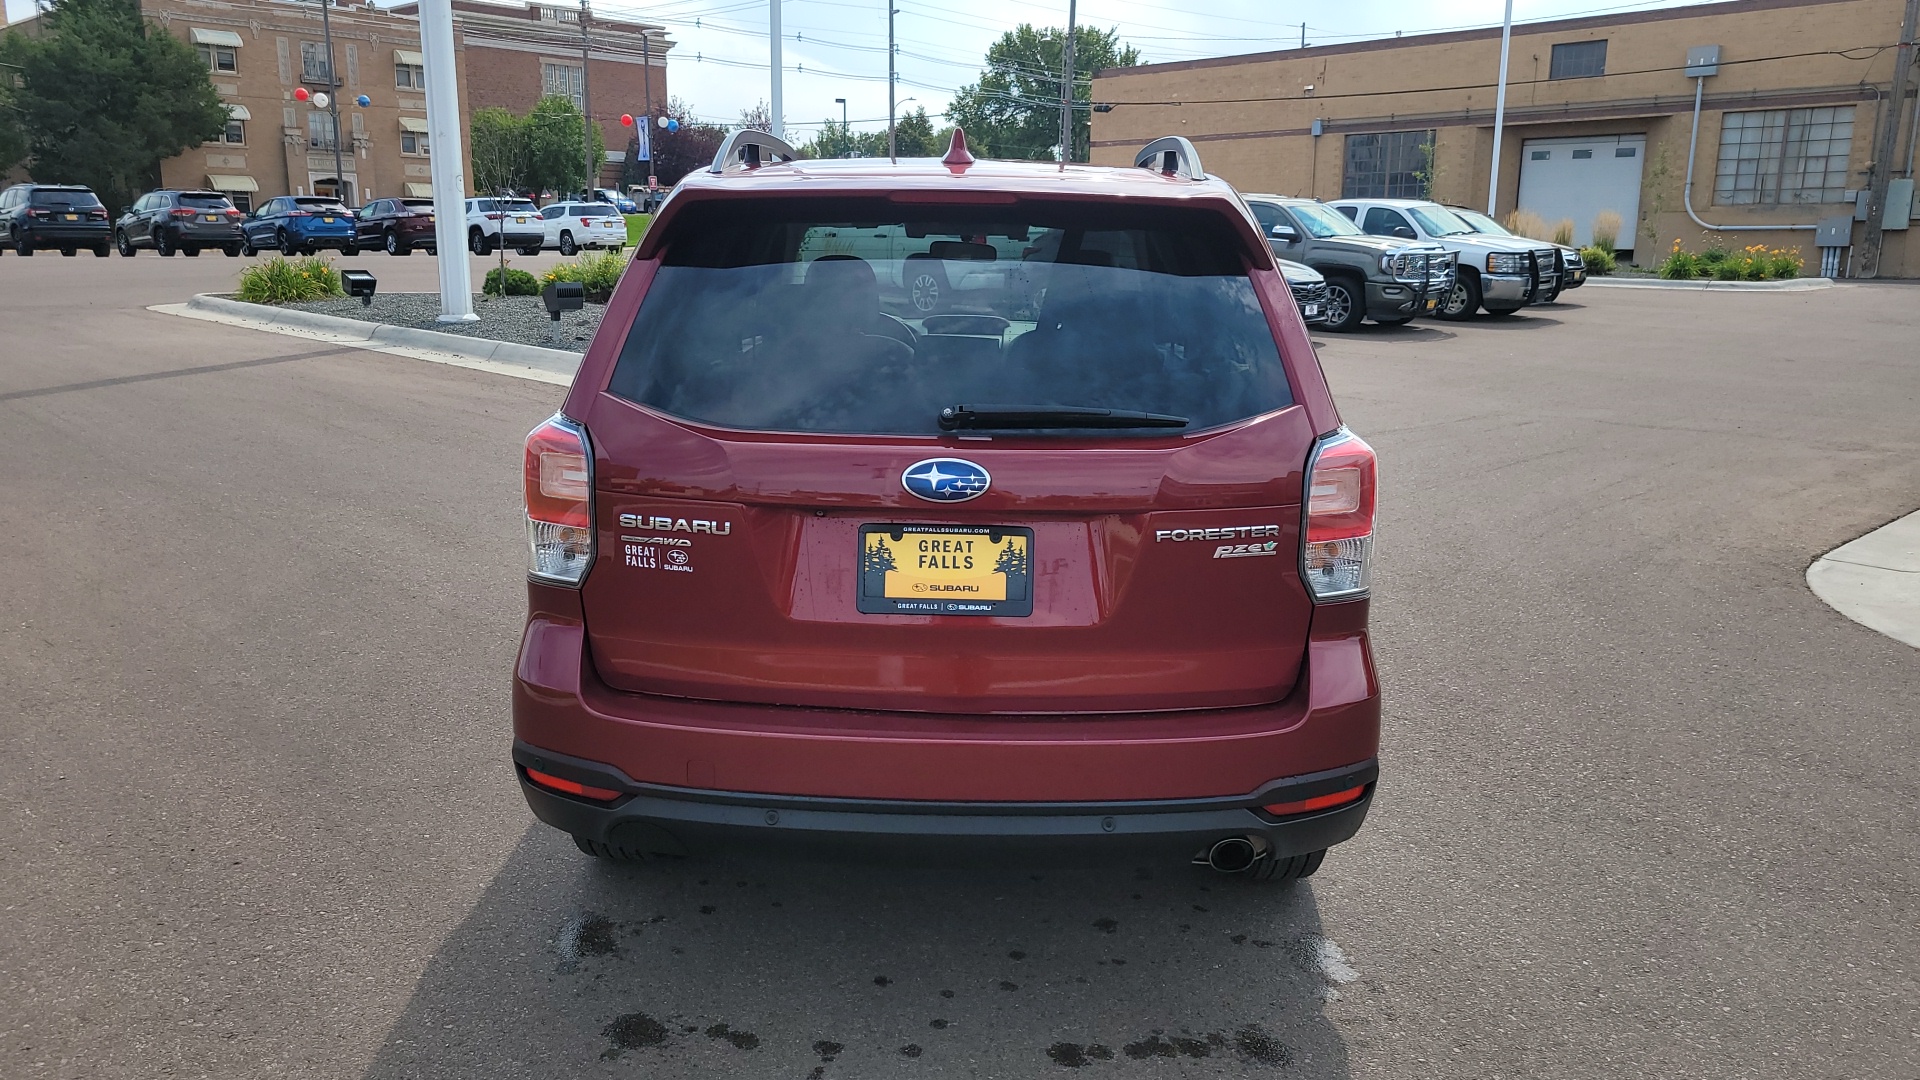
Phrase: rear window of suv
(857, 317)
(64, 197)
(201, 200)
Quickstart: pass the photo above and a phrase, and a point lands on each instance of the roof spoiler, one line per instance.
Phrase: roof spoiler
(743, 148)
(1171, 156)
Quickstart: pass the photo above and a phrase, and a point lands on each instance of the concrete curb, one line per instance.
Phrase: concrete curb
(1875, 580)
(556, 361)
(1811, 284)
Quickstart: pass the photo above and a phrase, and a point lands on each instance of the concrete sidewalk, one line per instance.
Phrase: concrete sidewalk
(1875, 580)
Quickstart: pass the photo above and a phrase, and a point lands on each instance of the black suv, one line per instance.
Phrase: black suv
(64, 216)
(183, 221)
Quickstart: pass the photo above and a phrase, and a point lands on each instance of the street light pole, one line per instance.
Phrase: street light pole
(893, 143)
(1499, 111)
(586, 107)
(773, 41)
(1066, 92)
(333, 106)
(846, 143)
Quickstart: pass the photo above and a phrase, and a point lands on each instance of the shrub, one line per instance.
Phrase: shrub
(1714, 256)
(287, 281)
(519, 283)
(596, 273)
(1679, 265)
(1527, 223)
(1784, 263)
(1731, 268)
(1606, 230)
(1599, 260)
(1563, 232)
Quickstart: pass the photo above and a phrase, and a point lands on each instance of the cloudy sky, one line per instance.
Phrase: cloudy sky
(838, 48)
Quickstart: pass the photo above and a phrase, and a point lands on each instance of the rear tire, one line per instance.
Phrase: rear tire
(478, 242)
(287, 247)
(125, 245)
(103, 250)
(233, 250)
(1501, 312)
(69, 252)
(1346, 303)
(350, 249)
(1292, 868)
(615, 854)
(567, 246)
(247, 248)
(394, 246)
(529, 251)
(190, 252)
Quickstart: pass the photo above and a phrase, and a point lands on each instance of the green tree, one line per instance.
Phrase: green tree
(1013, 111)
(834, 141)
(104, 97)
(913, 135)
(556, 156)
(500, 151)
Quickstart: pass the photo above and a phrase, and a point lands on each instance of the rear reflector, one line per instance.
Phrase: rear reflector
(1318, 802)
(1336, 551)
(559, 496)
(585, 791)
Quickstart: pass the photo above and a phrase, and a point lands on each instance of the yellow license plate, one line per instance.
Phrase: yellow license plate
(1431, 304)
(519, 221)
(73, 217)
(210, 217)
(328, 220)
(946, 570)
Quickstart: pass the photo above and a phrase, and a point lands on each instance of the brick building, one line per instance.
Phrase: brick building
(519, 53)
(260, 52)
(1600, 116)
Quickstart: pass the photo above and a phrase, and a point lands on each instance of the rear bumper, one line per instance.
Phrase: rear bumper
(510, 238)
(678, 821)
(210, 234)
(707, 768)
(67, 233)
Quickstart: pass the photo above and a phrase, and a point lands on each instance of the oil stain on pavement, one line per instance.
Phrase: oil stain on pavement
(783, 968)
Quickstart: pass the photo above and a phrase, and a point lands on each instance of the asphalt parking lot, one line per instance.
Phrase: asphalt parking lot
(1647, 805)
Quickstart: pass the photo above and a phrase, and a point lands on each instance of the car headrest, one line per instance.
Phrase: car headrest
(841, 272)
(962, 251)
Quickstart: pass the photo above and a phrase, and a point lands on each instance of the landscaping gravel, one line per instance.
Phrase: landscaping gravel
(520, 319)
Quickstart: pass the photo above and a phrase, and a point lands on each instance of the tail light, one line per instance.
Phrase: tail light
(298, 213)
(97, 215)
(234, 212)
(493, 217)
(183, 213)
(559, 485)
(1336, 552)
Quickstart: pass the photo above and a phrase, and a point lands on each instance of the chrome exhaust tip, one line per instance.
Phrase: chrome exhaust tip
(1234, 855)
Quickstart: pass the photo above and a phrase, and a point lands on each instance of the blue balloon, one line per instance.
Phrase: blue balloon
(673, 125)
(363, 101)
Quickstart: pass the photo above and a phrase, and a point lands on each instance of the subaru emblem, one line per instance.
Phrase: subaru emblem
(945, 480)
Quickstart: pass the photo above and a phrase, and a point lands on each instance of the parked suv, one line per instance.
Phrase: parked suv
(1573, 265)
(504, 222)
(1501, 274)
(397, 226)
(182, 221)
(570, 226)
(1387, 279)
(806, 568)
(66, 217)
(300, 225)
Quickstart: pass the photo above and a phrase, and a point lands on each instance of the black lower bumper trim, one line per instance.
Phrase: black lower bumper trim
(678, 821)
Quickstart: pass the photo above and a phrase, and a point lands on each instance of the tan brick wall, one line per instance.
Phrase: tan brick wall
(1250, 117)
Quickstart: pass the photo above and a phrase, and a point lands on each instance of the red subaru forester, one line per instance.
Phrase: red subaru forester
(950, 502)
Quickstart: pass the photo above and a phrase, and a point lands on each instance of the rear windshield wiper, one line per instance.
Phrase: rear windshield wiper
(982, 417)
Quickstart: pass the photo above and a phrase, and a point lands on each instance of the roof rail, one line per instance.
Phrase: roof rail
(1171, 156)
(743, 148)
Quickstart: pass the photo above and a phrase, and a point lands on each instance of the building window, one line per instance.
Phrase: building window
(564, 80)
(314, 65)
(1784, 156)
(409, 76)
(242, 201)
(221, 58)
(320, 129)
(236, 134)
(1578, 60)
(413, 142)
(1390, 165)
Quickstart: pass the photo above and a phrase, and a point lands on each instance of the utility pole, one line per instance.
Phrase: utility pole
(333, 107)
(586, 107)
(1303, 35)
(1066, 91)
(773, 41)
(893, 143)
(1886, 137)
(1500, 111)
(447, 161)
(846, 137)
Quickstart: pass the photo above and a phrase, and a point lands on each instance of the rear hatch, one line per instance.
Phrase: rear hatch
(782, 517)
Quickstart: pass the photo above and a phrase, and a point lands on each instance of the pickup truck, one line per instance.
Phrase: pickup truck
(1501, 274)
(1387, 279)
(1573, 266)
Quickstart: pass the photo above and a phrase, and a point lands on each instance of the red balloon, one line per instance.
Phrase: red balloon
(626, 119)
(300, 94)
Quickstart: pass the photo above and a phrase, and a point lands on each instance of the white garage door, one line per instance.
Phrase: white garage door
(1580, 178)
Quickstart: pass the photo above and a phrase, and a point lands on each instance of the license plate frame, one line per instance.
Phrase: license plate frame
(941, 569)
